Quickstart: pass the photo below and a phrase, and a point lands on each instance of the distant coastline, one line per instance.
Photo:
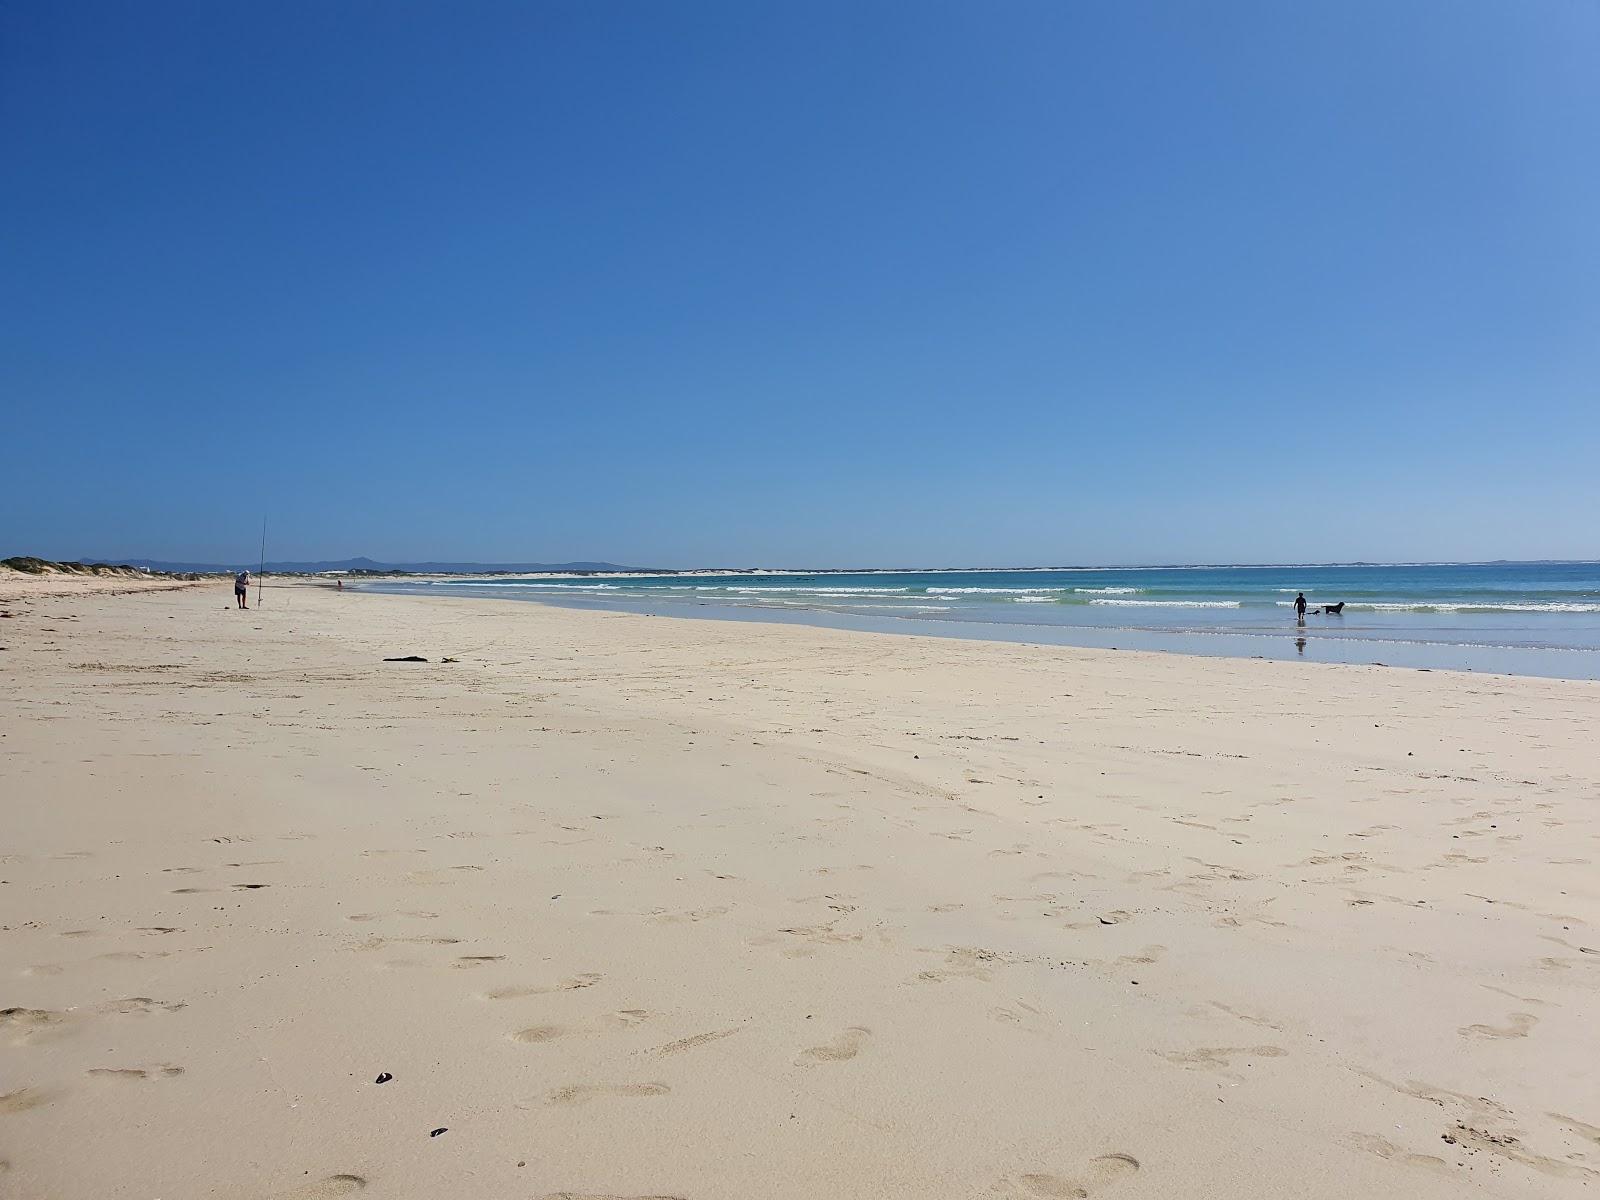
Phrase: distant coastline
(368, 567)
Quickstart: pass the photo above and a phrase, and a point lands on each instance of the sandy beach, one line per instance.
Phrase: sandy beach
(635, 907)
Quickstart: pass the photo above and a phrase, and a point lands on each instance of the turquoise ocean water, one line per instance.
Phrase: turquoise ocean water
(1518, 618)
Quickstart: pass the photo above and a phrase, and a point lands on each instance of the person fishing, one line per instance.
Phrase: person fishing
(241, 588)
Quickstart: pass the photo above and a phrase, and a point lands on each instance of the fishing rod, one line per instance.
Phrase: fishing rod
(262, 569)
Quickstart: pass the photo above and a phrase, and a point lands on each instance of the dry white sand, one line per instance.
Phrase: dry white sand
(21, 586)
(638, 907)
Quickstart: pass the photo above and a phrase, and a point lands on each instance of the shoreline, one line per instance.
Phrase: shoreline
(896, 916)
(1289, 645)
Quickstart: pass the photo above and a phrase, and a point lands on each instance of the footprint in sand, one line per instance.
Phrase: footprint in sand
(1566, 964)
(23, 1099)
(378, 943)
(1220, 1058)
(1583, 1130)
(324, 1189)
(582, 1093)
(686, 917)
(600, 1196)
(605, 1023)
(963, 962)
(30, 1024)
(699, 1039)
(425, 916)
(238, 887)
(134, 1074)
(1150, 954)
(1371, 1143)
(37, 1024)
(1502, 1142)
(1562, 942)
(1243, 1016)
(138, 1006)
(844, 1047)
(587, 979)
(1023, 1015)
(801, 941)
(438, 876)
(468, 961)
(1517, 1025)
(1096, 1175)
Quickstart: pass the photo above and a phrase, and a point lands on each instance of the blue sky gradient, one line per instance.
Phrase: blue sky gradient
(824, 284)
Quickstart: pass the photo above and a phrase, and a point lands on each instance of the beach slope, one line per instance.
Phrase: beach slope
(622, 906)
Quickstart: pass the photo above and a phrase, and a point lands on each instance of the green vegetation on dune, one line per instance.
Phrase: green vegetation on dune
(29, 565)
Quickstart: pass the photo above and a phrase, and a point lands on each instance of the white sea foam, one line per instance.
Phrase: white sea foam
(1509, 606)
(1034, 600)
(822, 590)
(848, 594)
(962, 591)
(1108, 591)
(896, 607)
(553, 587)
(1170, 603)
(1454, 606)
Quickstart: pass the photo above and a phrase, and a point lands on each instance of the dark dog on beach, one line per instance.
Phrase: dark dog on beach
(1335, 609)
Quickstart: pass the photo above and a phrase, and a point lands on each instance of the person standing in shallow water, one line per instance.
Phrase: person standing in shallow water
(1300, 606)
(241, 589)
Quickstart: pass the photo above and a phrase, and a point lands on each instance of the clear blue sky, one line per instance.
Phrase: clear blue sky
(821, 283)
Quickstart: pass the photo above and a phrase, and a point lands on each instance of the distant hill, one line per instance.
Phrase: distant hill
(364, 564)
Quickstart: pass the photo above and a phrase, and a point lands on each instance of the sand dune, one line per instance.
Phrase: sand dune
(632, 907)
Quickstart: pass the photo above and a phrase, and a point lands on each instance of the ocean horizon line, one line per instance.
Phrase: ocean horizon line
(603, 568)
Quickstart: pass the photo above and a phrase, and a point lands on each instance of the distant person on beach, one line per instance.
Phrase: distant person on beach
(1300, 605)
(241, 588)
